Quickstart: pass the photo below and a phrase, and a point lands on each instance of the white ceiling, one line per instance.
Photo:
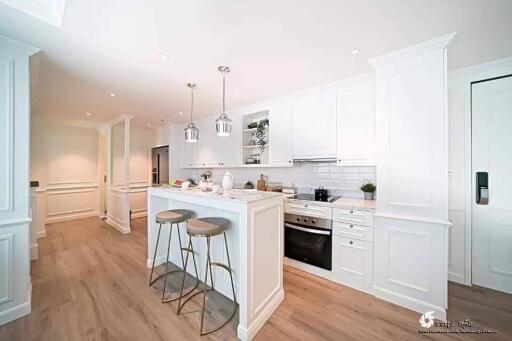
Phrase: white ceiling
(274, 47)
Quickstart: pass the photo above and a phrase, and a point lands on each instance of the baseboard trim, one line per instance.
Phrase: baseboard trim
(71, 217)
(140, 214)
(118, 226)
(457, 278)
(246, 334)
(159, 260)
(410, 303)
(34, 251)
(18, 311)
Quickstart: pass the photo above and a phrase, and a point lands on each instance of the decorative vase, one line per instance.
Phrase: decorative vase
(369, 195)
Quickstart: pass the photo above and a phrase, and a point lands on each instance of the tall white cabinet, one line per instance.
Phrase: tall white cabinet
(15, 287)
(411, 223)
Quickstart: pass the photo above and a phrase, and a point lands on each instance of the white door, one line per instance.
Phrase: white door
(280, 134)
(492, 158)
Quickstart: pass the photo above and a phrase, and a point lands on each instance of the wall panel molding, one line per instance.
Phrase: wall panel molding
(7, 135)
(6, 267)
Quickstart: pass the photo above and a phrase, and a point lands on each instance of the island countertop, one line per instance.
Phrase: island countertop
(235, 195)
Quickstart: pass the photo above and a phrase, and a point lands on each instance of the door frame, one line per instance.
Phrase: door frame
(466, 77)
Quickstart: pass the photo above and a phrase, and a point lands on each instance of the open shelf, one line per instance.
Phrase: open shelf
(248, 137)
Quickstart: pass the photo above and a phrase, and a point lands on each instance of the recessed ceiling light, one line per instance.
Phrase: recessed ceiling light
(149, 124)
(236, 93)
(355, 51)
(88, 113)
(181, 113)
(163, 56)
(112, 94)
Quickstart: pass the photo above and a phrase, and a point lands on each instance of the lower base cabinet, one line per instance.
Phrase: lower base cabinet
(352, 261)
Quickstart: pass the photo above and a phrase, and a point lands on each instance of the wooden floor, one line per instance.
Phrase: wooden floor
(90, 283)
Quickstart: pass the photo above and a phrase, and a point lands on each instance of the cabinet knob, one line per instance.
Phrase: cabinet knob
(289, 161)
(351, 211)
(351, 225)
(351, 242)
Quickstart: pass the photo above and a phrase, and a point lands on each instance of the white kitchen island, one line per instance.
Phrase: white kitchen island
(255, 240)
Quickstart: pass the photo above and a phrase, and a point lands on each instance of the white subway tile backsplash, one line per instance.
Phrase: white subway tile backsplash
(344, 181)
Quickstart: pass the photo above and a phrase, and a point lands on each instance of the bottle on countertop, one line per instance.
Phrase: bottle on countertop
(261, 183)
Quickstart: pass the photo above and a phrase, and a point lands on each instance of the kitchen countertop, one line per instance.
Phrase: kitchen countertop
(235, 195)
(345, 203)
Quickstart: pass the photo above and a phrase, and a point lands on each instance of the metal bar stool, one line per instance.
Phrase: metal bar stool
(172, 217)
(208, 227)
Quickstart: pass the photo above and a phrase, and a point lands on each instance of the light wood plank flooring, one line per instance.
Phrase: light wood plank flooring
(90, 283)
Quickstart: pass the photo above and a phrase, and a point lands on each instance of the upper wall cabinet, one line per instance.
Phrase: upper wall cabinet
(314, 125)
(355, 132)
(280, 135)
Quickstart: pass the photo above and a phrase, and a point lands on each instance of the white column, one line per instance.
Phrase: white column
(15, 286)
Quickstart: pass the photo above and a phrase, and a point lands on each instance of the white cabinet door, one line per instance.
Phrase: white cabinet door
(352, 260)
(355, 134)
(280, 135)
(314, 125)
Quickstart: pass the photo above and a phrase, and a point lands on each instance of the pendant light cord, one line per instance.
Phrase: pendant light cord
(224, 92)
(191, 103)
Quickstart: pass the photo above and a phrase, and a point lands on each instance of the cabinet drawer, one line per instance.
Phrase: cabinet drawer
(352, 231)
(355, 217)
(353, 260)
(310, 210)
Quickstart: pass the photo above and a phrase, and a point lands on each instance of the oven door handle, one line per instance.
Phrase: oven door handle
(295, 227)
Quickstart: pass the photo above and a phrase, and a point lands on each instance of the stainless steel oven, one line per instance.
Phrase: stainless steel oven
(308, 239)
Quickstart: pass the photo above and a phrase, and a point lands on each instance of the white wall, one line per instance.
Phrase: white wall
(343, 180)
(459, 82)
(64, 159)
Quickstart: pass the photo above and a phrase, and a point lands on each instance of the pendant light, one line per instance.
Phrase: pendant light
(223, 124)
(191, 131)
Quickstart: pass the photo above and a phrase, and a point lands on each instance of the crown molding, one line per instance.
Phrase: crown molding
(427, 46)
(18, 46)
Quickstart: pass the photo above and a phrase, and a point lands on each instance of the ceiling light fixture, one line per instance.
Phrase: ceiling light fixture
(112, 94)
(223, 124)
(163, 56)
(180, 113)
(149, 124)
(88, 114)
(191, 131)
(355, 51)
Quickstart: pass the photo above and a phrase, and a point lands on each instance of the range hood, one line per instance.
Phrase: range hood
(315, 160)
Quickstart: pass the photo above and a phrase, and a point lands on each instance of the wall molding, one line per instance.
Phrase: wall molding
(424, 47)
(17, 311)
(9, 139)
(73, 216)
(9, 240)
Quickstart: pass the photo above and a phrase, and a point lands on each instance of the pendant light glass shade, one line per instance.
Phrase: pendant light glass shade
(223, 124)
(191, 131)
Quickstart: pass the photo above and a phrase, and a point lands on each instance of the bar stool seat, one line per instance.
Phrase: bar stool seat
(207, 227)
(172, 217)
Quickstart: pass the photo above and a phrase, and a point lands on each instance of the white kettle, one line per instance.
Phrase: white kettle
(227, 181)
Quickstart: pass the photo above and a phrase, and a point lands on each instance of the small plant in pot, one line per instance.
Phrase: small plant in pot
(369, 189)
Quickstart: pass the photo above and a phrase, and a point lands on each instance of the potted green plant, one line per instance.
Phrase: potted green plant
(252, 125)
(369, 189)
(260, 134)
